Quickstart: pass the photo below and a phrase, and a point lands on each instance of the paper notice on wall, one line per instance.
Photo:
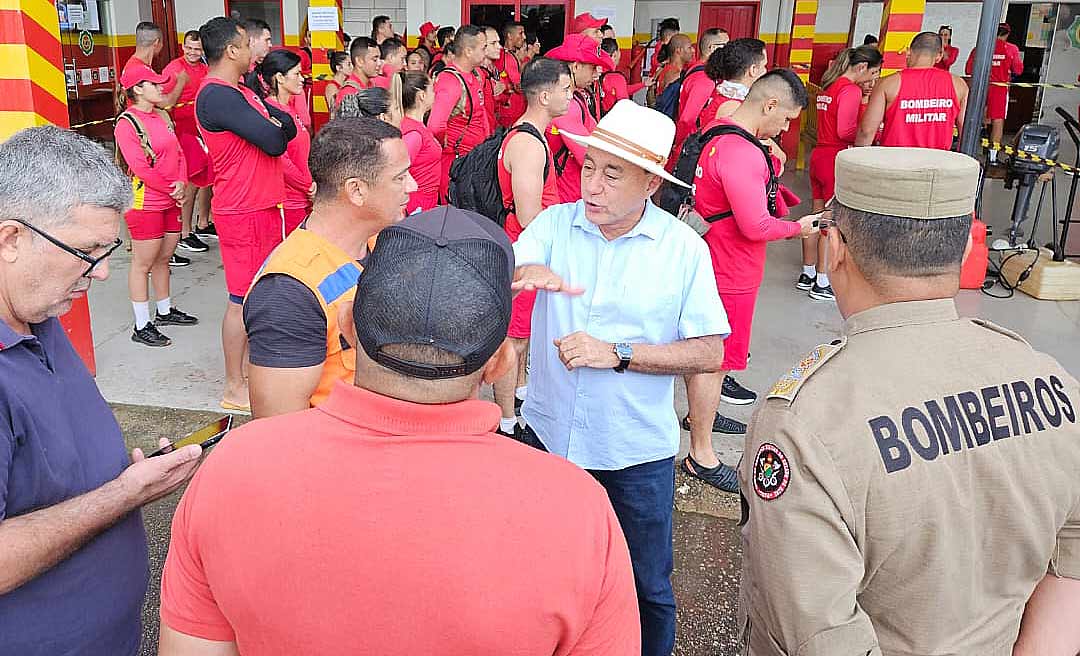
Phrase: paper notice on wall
(76, 15)
(103, 74)
(323, 19)
(606, 12)
(86, 76)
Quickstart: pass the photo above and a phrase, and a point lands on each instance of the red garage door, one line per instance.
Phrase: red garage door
(740, 19)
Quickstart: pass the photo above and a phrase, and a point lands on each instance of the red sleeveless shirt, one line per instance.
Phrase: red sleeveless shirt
(924, 112)
(549, 197)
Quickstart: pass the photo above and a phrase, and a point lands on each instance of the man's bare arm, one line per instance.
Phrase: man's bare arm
(962, 95)
(1049, 627)
(277, 391)
(174, 95)
(875, 113)
(524, 159)
(174, 643)
(34, 543)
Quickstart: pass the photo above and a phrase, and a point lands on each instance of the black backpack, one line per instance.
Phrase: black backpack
(672, 197)
(668, 102)
(474, 178)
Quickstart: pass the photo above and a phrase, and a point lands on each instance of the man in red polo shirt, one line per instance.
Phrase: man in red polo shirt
(586, 61)
(459, 118)
(737, 190)
(367, 61)
(495, 87)
(187, 133)
(697, 87)
(588, 25)
(148, 43)
(245, 138)
(394, 542)
(511, 104)
(1006, 63)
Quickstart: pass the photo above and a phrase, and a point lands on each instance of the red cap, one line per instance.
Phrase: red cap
(137, 72)
(585, 21)
(580, 48)
(427, 28)
(1005, 27)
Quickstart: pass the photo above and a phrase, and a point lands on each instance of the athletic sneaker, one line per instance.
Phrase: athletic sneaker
(174, 318)
(179, 261)
(735, 394)
(822, 293)
(209, 232)
(721, 424)
(804, 282)
(193, 244)
(721, 476)
(149, 336)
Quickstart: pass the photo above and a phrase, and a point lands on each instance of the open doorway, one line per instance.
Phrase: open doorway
(548, 19)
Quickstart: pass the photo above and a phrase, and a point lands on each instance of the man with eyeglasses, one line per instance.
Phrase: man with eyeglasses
(73, 551)
(911, 487)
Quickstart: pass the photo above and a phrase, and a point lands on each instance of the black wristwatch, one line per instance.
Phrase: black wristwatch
(625, 353)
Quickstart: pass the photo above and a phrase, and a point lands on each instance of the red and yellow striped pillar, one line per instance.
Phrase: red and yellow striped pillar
(800, 56)
(32, 88)
(33, 92)
(901, 20)
(321, 43)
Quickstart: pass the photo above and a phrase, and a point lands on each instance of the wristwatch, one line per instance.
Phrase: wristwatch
(625, 353)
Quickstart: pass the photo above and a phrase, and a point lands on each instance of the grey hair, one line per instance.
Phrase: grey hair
(146, 33)
(46, 172)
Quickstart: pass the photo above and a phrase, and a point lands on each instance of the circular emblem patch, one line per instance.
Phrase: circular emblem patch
(771, 472)
(86, 43)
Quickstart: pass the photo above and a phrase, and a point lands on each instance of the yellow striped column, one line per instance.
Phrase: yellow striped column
(321, 43)
(901, 20)
(801, 53)
(32, 89)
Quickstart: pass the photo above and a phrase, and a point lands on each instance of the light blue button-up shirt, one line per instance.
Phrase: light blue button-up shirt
(653, 285)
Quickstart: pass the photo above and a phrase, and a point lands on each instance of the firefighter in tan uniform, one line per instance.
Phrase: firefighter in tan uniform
(907, 487)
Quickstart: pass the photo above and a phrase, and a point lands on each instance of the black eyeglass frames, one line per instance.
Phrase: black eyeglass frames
(92, 262)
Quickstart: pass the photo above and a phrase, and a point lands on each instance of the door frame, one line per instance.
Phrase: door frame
(170, 35)
(516, 4)
(756, 4)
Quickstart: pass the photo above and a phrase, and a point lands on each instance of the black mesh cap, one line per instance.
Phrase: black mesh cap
(439, 278)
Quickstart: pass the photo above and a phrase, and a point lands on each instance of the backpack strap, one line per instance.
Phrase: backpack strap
(527, 128)
(352, 83)
(140, 132)
(463, 102)
(773, 185)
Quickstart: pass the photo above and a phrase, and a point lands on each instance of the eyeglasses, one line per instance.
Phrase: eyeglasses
(93, 262)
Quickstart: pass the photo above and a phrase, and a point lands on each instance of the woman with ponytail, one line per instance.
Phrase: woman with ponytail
(838, 123)
(341, 67)
(281, 72)
(411, 98)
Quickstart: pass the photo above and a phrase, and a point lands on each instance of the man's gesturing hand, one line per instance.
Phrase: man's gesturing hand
(581, 349)
(537, 277)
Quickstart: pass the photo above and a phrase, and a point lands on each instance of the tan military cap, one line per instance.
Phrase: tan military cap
(915, 183)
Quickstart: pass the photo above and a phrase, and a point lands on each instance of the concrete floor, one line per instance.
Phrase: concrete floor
(168, 392)
(189, 374)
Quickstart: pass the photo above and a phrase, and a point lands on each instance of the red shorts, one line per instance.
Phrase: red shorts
(152, 224)
(246, 241)
(294, 217)
(823, 173)
(521, 316)
(997, 102)
(740, 314)
(198, 162)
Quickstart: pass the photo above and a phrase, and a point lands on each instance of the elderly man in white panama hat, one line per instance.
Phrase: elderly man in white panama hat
(604, 359)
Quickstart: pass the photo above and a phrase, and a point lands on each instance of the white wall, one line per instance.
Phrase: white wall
(191, 14)
(962, 16)
(440, 12)
(834, 17)
(624, 11)
(358, 14)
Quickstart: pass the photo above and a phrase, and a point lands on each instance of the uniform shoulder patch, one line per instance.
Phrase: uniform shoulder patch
(788, 386)
(990, 325)
(772, 473)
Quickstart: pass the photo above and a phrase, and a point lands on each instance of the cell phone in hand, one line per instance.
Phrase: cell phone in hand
(206, 437)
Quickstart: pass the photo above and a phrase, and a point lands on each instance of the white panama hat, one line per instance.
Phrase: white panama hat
(637, 134)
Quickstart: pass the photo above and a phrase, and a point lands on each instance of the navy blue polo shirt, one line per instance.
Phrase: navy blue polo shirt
(59, 439)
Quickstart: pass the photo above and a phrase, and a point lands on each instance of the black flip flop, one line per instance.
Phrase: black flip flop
(721, 477)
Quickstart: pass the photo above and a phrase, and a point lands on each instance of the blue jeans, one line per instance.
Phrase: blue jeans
(643, 497)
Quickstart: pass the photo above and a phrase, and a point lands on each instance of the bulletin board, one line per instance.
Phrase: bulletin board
(963, 17)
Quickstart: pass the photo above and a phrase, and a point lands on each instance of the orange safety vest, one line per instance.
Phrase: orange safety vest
(331, 276)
